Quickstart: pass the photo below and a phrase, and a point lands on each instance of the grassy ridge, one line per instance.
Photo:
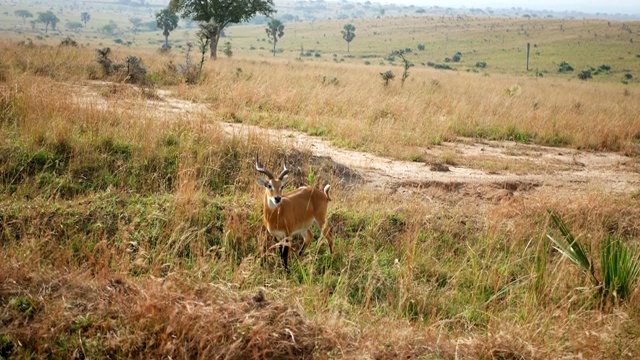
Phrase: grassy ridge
(127, 235)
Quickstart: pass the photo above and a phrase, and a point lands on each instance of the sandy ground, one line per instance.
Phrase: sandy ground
(521, 167)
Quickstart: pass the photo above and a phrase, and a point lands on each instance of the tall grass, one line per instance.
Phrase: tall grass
(130, 233)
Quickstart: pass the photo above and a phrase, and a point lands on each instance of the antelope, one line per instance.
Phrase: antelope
(286, 215)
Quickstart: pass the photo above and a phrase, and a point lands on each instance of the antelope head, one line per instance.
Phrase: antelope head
(273, 186)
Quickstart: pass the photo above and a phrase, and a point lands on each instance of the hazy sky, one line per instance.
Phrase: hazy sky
(609, 6)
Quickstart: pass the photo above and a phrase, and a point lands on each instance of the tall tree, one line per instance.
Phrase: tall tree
(217, 14)
(275, 30)
(48, 18)
(24, 14)
(166, 20)
(348, 33)
(84, 17)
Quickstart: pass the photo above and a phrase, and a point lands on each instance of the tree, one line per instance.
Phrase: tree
(348, 33)
(24, 14)
(166, 20)
(136, 22)
(217, 14)
(74, 26)
(48, 18)
(84, 17)
(275, 30)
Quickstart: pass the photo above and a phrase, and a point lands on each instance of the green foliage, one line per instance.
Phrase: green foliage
(6, 347)
(74, 26)
(48, 18)
(481, 64)
(406, 63)
(24, 305)
(439, 66)
(85, 17)
(628, 76)
(422, 46)
(564, 67)
(387, 76)
(228, 51)
(68, 41)
(216, 15)
(24, 14)
(620, 264)
(620, 268)
(585, 74)
(348, 34)
(166, 20)
(109, 28)
(572, 250)
(275, 31)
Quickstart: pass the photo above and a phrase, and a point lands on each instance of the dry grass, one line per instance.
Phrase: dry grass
(125, 235)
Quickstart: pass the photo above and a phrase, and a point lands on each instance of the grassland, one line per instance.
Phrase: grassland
(131, 232)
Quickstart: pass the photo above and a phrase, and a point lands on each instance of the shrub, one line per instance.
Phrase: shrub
(227, 49)
(457, 57)
(68, 41)
(628, 76)
(585, 74)
(564, 67)
(481, 64)
(387, 76)
(421, 47)
(439, 66)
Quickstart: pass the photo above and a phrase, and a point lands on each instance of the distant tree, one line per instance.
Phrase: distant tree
(110, 28)
(24, 14)
(136, 22)
(85, 17)
(166, 20)
(74, 26)
(48, 18)
(217, 14)
(348, 34)
(275, 30)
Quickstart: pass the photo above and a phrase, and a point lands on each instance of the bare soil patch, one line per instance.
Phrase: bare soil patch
(487, 170)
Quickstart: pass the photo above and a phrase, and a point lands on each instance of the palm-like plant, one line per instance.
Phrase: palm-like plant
(619, 263)
(167, 21)
(275, 31)
(348, 34)
(85, 17)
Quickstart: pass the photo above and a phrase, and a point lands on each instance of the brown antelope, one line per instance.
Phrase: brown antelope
(286, 215)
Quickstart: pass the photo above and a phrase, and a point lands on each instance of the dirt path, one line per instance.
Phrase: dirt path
(559, 171)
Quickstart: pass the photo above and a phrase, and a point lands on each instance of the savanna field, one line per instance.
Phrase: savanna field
(131, 221)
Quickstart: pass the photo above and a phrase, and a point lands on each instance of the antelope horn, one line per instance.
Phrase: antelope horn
(284, 172)
(263, 170)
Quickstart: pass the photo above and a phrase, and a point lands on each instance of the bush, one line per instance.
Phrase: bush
(439, 66)
(421, 47)
(68, 41)
(585, 74)
(227, 49)
(628, 76)
(481, 64)
(564, 67)
(457, 57)
(387, 76)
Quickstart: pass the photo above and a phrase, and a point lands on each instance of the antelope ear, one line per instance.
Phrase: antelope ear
(262, 182)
